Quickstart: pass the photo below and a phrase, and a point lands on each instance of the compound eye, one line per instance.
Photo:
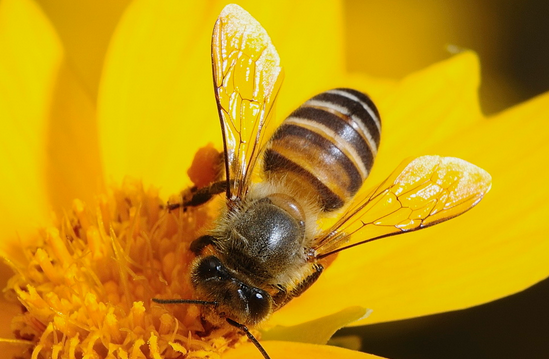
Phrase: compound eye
(259, 303)
(210, 268)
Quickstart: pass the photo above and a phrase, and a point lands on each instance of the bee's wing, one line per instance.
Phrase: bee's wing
(420, 193)
(247, 76)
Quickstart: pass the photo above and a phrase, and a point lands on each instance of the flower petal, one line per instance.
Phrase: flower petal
(85, 29)
(73, 167)
(31, 56)
(289, 350)
(154, 109)
(48, 156)
(156, 103)
(425, 108)
(497, 249)
(317, 331)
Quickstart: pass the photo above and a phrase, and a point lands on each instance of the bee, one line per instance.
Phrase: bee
(267, 246)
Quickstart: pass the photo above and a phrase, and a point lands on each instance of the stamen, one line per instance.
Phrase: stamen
(90, 287)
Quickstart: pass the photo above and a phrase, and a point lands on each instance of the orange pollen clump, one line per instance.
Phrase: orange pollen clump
(87, 288)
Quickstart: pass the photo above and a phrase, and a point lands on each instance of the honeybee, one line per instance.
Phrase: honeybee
(267, 246)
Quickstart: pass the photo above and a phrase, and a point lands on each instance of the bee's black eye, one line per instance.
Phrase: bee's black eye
(217, 283)
(211, 268)
(259, 303)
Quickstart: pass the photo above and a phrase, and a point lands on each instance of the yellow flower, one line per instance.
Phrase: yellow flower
(72, 127)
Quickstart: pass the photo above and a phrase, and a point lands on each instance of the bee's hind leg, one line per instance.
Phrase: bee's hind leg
(197, 196)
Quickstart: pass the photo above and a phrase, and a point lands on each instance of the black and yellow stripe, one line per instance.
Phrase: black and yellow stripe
(330, 142)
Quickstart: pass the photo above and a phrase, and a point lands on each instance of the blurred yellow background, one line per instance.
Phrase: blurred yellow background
(395, 37)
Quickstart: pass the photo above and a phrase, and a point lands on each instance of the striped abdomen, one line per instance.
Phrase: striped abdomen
(328, 143)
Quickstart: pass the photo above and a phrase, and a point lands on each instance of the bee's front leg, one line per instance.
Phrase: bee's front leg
(283, 297)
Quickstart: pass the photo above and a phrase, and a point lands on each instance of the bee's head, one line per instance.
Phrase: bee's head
(236, 300)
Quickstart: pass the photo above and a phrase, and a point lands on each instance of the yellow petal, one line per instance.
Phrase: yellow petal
(28, 65)
(510, 224)
(153, 107)
(375, 87)
(31, 57)
(156, 103)
(309, 39)
(498, 248)
(317, 331)
(85, 29)
(288, 350)
(73, 167)
(425, 108)
(51, 149)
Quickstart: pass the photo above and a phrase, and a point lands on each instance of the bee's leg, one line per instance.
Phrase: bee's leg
(196, 197)
(280, 296)
(283, 297)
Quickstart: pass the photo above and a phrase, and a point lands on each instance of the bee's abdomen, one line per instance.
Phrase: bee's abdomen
(330, 143)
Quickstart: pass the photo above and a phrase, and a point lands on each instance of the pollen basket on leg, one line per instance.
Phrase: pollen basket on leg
(87, 287)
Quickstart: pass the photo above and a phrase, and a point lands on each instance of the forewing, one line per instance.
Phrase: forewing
(420, 193)
(247, 76)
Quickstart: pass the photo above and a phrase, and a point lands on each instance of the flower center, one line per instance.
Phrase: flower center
(87, 288)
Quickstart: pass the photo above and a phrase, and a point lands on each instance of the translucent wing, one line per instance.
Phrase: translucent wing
(420, 193)
(247, 76)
